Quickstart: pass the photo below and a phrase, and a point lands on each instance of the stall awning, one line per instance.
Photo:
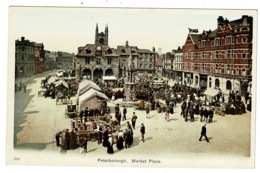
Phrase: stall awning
(109, 78)
(211, 92)
(85, 85)
(90, 94)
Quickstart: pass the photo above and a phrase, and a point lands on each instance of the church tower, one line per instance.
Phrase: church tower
(101, 38)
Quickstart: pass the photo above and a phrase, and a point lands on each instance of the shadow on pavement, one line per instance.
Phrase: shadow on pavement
(32, 146)
(21, 101)
(31, 112)
(136, 141)
(173, 119)
(149, 138)
(92, 150)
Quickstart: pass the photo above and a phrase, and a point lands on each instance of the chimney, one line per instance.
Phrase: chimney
(244, 19)
(22, 38)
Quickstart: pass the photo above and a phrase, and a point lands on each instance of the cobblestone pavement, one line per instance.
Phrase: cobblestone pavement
(171, 144)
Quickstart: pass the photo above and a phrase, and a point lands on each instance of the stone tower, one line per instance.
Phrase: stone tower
(101, 38)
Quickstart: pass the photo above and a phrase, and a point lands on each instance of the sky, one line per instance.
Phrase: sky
(66, 29)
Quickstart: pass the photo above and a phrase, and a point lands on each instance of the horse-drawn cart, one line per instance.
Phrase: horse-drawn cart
(41, 92)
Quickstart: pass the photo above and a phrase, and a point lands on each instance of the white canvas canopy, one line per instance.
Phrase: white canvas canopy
(211, 92)
(92, 98)
(85, 85)
(61, 82)
(109, 78)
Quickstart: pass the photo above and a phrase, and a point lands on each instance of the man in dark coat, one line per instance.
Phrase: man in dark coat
(57, 136)
(67, 139)
(81, 114)
(85, 144)
(204, 133)
(117, 109)
(124, 113)
(127, 138)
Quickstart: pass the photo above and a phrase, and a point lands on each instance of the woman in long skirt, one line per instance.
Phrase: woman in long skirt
(120, 142)
(110, 149)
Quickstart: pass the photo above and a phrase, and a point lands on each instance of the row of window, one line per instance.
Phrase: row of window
(178, 59)
(25, 49)
(28, 69)
(22, 57)
(218, 69)
(227, 41)
(218, 54)
(98, 61)
(145, 66)
(146, 59)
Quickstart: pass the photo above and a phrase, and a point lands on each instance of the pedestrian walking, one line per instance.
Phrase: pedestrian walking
(124, 113)
(204, 133)
(85, 144)
(134, 117)
(142, 130)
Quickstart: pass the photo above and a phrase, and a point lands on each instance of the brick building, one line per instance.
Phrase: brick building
(39, 57)
(221, 58)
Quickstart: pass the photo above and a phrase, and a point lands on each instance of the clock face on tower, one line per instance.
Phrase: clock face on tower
(98, 47)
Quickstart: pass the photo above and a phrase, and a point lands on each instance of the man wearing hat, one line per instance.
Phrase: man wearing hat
(124, 113)
(204, 133)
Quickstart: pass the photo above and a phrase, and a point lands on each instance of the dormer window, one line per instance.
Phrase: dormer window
(88, 51)
(123, 50)
(109, 51)
(217, 42)
(203, 43)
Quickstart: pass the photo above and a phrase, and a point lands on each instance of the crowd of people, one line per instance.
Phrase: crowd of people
(193, 102)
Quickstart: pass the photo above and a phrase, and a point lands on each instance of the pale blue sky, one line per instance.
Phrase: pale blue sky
(66, 29)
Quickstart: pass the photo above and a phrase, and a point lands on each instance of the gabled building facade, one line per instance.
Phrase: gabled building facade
(221, 58)
(39, 58)
(143, 59)
(97, 60)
